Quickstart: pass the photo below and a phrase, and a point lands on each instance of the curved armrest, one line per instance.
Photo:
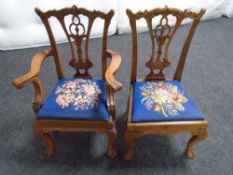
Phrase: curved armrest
(113, 67)
(34, 71)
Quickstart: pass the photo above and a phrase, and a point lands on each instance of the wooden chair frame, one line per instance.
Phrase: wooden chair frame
(198, 129)
(43, 127)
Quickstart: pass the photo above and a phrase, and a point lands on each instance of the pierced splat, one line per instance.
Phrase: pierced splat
(78, 33)
(161, 37)
(160, 34)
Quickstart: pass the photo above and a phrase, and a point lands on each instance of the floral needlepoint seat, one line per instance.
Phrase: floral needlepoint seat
(162, 101)
(80, 99)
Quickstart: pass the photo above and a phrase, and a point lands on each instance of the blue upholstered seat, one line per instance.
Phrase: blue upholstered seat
(76, 99)
(156, 101)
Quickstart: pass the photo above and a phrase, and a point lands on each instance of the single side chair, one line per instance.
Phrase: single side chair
(157, 105)
(81, 103)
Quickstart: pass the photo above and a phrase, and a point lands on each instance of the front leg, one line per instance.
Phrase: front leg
(194, 140)
(50, 147)
(46, 138)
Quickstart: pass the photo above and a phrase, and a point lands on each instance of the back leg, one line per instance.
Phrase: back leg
(112, 134)
(128, 139)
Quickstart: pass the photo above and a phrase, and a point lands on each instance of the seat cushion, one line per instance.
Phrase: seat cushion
(162, 101)
(76, 99)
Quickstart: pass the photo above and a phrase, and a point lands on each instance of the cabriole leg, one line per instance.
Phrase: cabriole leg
(194, 140)
(46, 138)
(50, 146)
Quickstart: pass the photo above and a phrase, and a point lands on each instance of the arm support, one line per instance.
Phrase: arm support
(33, 77)
(34, 71)
(113, 67)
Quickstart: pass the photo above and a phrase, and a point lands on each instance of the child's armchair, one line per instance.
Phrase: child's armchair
(81, 103)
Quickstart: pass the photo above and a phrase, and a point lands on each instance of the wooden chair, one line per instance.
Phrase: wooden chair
(81, 103)
(158, 106)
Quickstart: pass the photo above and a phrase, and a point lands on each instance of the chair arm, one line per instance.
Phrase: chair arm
(34, 71)
(113, 67)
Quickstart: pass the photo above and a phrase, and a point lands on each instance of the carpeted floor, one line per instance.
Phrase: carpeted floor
(208, 77)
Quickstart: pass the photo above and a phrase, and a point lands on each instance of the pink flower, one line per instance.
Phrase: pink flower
(69, 84)
(177, 98)
(63, 100)
(80, 102)
(89, 89)
(163, 90)
(156, 107)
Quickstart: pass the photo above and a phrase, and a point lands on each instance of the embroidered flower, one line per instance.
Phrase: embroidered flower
(163, 97)
(80, 93)
(81, 102)
(89, 89)
(63, 100)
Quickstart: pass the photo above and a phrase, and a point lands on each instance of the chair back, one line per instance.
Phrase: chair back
(161, 36)
(76, 31)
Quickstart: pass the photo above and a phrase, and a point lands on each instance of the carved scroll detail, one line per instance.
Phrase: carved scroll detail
(76, 23)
